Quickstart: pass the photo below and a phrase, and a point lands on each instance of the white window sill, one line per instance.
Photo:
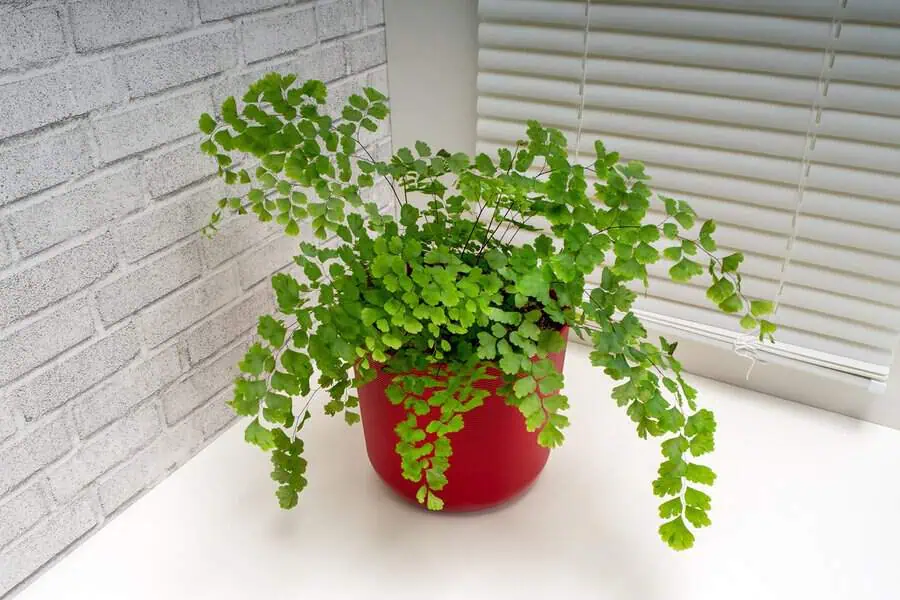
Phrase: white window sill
(805, 507)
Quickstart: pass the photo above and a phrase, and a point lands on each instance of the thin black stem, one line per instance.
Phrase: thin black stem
(471, 231)
(517, 230)
(389, 182)
(300, 417)
(487, 234)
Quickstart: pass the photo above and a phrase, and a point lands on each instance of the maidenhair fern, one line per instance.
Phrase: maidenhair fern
(453, 286)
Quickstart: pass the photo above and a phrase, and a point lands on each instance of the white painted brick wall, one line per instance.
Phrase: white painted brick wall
(338, 18)
(278, 33)
(120, 327)
(30, 37)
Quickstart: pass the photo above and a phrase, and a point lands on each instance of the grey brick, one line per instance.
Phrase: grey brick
(20, 512)
(6, 254)
(224, 327)
(125, 390)
(374, 12)
(384, 150)
(7, 419)
(169, 450)
(28, 37)
(149, 125)
(234, 237)
(100, 23)
(175, 63)
(144, 469)
(31, 103)
(211, 418)
(185, 396)
(43, 161)
(95, 84)
(271, 35)
(339, 92)
(382, 196)
(262, 262)
(44, 542)
(40, 448)
(212, 10)
(378, 79)
(48, 98)
(103, 200)
(40, 341)
(184, 308)
(326, 63)
(148, 283)
(76, 373)
(168, 222)
(104, 451)
(366, 51)
(338, 18)
(31, 289)
(177, 166)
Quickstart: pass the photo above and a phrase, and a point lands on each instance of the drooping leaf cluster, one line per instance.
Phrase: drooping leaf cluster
(487, 261)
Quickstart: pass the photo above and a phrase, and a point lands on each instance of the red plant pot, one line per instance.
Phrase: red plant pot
(494, 457)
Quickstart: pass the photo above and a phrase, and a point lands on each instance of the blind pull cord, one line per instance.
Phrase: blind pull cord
(584, 59)
(747, 345)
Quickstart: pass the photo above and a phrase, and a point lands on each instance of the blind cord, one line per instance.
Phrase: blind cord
(746, 345)
(584, 57)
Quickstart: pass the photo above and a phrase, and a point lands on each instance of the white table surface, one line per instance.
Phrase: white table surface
(807, 505)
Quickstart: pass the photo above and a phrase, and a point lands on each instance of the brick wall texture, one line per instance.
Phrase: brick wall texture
(120, 326)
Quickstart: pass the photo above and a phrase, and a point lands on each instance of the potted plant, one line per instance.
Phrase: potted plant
(446, 327)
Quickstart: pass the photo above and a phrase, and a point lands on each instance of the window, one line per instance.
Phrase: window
(778, 119)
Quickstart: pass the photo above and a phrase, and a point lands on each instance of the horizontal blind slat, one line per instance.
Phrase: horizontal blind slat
(847, 259)
(701, 159)
(800, 338)
(684, 105)
(801, 298)
(699, 80)
(852, 235)
(860, 126)
(859, 68)
(853, 181)
(850, 284)
(726, 137)
(753, 28)
(869, 39)
(669, 50)
(877, 157)
(862, 98)
(533, 11)
(683, 181)
(788, 316)
(742, 57)
(876, 316)
(881, 213)
(522, 37)
(788, 8)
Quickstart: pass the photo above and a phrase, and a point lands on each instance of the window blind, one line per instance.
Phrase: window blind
(779, 119)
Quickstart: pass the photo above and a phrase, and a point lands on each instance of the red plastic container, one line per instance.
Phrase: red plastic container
(494, 457)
